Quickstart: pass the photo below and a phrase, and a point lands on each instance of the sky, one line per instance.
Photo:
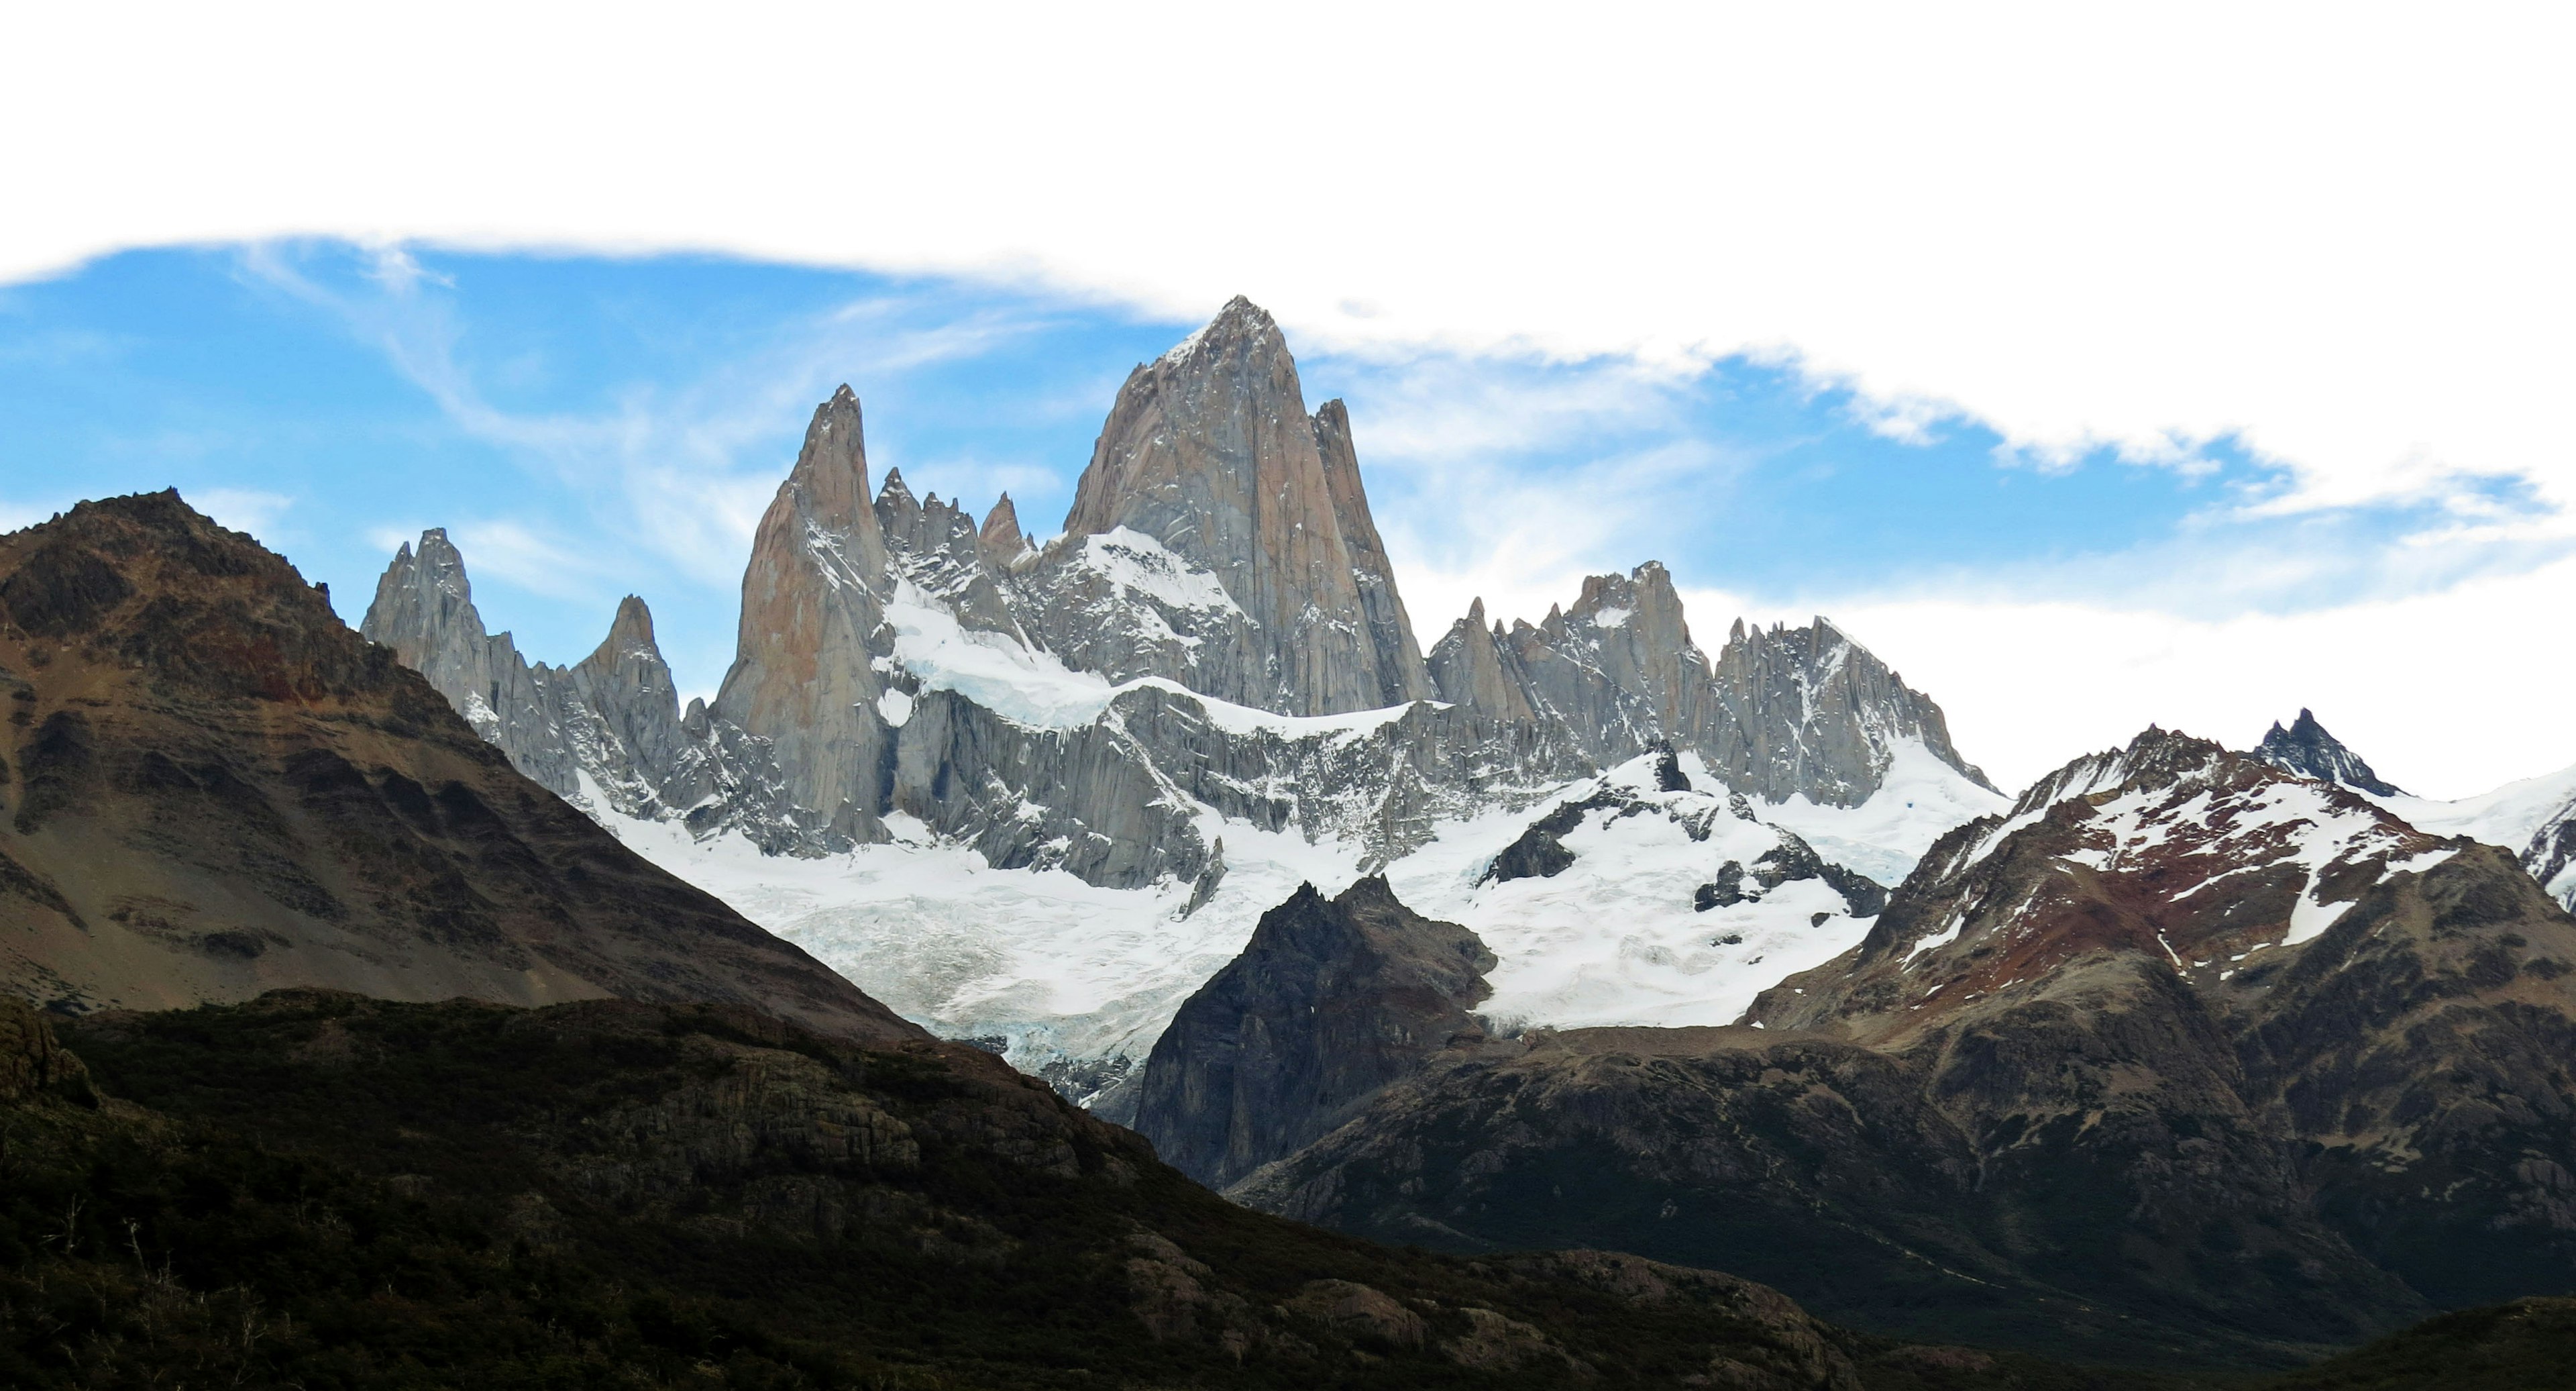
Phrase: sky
(2177, 364)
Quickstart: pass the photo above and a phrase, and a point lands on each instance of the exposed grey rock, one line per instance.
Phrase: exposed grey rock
(1210, 875)
(2550, 851)
(2307, 750)
(613, 718)
(1209, 449)
(1221, 540)
(1330, 1001)
(813, 624)
(1809, 711)
(1788, 712)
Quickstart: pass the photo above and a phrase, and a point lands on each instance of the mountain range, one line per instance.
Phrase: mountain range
(1204, 691)
(1556, 935)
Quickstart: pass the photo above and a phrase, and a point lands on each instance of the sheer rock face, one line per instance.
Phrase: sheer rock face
(937, 547)
(1001, 539)
(608, 729)
(1221, 540)
(424, 610)
(813, 624)
(2306, 749)
(222, 790)
(1329, 1002)
(1210, 451)
(1788, 712)
(2179, 1047)
(1400, 675)
(1474, 667)
(1808, 710)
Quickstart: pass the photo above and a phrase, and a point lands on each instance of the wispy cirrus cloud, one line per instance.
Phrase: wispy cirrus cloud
(679, 467)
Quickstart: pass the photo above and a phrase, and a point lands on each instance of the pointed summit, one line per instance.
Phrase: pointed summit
(1001, 538)
(1210, 451)
(424, 610)
(2307, 750)
(801, 675)
(830, 480)
(631, 631)
(1470, 667)
(1240, 323)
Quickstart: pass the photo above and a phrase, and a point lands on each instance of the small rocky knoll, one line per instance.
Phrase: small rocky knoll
(1330, 1001)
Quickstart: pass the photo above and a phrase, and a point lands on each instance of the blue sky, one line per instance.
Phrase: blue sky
(589, 426)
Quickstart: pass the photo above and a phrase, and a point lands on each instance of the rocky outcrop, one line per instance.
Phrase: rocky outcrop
(804, 675)
(2184, 1058)
(607, 733)
(1476, 668)
(227, 791)
(2306, 749)
(1329, 1002)
(2550, 855)
(1209, 450)
(1807, 711)
(1802, 712)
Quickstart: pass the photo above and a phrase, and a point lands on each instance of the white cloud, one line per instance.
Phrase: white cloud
(2334, 234)
(2330, 230)
(674, 465)
(2446, 694)
(506, 550)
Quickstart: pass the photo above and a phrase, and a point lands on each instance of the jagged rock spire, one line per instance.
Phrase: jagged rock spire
(1210, 451)
(2306, 749)
(1468, 666)
(1001, 539)
(802, 675)
(1781, 712)
(424, 610)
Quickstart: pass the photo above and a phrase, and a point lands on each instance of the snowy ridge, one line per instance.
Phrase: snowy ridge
(2178, 833)
(2535, 818)
(1071, 978)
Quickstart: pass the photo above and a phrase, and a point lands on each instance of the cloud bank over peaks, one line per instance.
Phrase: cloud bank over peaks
(2318, 232)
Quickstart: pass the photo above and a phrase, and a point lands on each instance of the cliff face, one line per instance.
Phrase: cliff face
(1802, 712)
(1329, 1002)
(2183, 1058)
(803, 676)
(219, 789)
(606, 733)
(1209, 450)
(1811, 711)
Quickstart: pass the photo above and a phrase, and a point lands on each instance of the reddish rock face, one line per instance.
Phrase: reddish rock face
(1209, 449)
(220, 790)
(803, 676)
(2172, 850)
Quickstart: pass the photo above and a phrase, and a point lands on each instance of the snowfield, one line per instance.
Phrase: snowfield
(1058, 969)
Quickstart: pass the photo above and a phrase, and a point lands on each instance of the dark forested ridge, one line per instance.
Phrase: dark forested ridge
(319, 1190)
